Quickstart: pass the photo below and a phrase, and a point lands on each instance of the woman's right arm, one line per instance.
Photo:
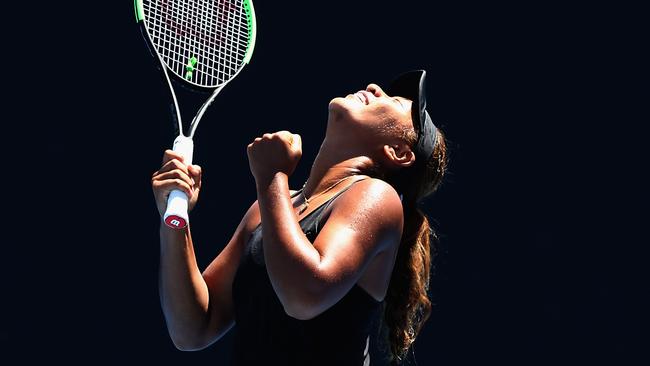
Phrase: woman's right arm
(198, 308)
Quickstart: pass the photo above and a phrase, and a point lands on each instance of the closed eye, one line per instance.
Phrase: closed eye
(400, 103)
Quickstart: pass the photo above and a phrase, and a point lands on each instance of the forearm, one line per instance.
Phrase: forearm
(291, 260)
(183, 291)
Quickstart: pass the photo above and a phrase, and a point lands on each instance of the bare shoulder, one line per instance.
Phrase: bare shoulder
(371, 201)
(372, 192)
(376, 186)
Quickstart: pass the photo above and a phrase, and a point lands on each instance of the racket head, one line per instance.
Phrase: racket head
(203, 43)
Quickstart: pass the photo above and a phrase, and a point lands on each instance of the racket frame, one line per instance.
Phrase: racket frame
(176, 215)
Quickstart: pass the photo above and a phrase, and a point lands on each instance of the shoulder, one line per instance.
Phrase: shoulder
(376, 184)
(371, 198)
(376, 191)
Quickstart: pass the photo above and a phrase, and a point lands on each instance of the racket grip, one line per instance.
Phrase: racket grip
(176, 216)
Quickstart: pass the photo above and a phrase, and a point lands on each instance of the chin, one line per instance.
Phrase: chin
(338, 103)
(342, 110)
(347, 106)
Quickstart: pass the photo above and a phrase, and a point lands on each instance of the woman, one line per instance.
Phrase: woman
(339, 272)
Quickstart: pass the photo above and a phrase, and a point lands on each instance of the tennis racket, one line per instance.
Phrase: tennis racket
(203, 44)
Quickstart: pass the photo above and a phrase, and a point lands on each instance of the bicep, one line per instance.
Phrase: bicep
(366, 221)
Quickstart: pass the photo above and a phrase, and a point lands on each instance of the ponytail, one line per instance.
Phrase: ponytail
(407, 304)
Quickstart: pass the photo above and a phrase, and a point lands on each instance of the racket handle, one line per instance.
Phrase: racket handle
(176, 216)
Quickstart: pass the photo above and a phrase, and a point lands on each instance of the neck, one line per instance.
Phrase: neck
(333, 163)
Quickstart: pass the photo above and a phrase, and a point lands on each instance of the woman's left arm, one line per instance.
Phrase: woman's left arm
(309, 278)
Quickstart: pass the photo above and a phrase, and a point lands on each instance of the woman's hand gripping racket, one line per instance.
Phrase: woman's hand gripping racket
(203, 44)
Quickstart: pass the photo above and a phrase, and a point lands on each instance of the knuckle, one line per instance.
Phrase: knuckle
(183, 175)
(168, 155)
(179, 165)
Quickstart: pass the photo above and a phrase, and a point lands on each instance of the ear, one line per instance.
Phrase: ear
(400, 155)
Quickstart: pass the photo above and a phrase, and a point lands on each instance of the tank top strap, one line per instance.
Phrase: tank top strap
(329, 202)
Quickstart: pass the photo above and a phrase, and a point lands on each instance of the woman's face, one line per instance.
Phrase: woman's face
(370, 110)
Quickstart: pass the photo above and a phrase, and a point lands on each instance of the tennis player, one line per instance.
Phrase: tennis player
(334, 273)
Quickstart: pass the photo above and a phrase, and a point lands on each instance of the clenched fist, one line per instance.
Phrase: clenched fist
(273, 153)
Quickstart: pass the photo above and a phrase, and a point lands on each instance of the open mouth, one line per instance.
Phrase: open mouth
(363, 97)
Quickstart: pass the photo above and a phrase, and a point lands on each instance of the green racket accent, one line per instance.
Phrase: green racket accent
(218, 34)
(250, 16)
(139, 13)
(191, 64)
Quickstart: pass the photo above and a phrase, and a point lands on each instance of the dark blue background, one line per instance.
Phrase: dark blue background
(529, 271)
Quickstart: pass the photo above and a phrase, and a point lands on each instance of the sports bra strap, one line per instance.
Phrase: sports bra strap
(329, 202)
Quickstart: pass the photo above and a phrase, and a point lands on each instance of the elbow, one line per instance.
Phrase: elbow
(187, 347)
(300, 314)
(301, 310)
(303, 301)
(197, 340)
(188, 343)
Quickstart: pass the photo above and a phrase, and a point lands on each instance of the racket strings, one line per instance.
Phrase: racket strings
(215, 32)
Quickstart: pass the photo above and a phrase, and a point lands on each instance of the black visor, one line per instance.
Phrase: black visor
(411, 85)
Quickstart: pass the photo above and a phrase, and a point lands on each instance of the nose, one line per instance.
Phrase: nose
(375, 90)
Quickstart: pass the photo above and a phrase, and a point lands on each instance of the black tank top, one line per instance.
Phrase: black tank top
(348, 333)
